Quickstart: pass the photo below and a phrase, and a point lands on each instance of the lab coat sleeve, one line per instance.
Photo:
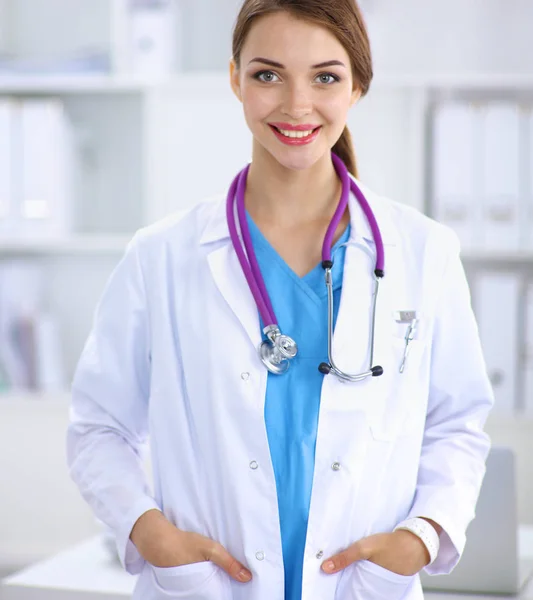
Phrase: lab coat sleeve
(455, 446)
(107, 431)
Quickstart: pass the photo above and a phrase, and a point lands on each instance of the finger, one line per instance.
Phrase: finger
(343, 559)
(221, 557)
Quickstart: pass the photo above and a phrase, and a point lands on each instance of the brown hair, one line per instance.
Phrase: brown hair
(344, 19)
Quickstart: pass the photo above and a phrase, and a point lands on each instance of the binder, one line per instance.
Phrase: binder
(456, 141)
(497, 305)
(527, 191)
(46, 175)
(153, 37)
(21, 296)
(49, 367)
(7, 120)
(527, 370)
(501, 177)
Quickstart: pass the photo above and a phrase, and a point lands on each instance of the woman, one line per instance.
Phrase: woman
(274, 476)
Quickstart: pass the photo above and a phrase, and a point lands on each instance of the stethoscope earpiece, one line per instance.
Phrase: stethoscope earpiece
(324, 368)
(377, 371)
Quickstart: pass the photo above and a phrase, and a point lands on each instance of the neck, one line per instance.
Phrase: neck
(277, 195)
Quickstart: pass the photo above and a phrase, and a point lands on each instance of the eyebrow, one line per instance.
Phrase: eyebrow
(273, 63)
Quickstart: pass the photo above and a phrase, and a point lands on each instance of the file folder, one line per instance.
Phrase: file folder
(47, 169)
(7, 117)
(501, 177)
(456, 141)
(527, 371)
(527, 192)
(497, 304)
(154, 29)
(21, 296)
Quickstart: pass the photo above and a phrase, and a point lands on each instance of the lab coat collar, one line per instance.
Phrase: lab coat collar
(217, 227)
(360, 227)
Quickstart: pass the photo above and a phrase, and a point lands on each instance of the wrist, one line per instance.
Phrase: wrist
(426, 532)
(148, 524)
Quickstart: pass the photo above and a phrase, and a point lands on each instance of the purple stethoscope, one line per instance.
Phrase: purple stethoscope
(277, 350)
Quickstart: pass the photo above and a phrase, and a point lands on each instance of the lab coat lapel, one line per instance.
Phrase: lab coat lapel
(231, 282)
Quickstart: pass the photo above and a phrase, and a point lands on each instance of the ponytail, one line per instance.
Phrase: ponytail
(344, 150)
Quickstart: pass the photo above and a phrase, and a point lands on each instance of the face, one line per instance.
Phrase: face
(294, 73)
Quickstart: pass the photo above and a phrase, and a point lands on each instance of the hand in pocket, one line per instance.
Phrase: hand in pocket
(163, 545)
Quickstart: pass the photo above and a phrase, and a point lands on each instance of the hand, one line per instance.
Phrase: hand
(401, 552)
(162, 544)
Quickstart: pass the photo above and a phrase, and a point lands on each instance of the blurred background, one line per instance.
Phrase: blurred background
(111, 109)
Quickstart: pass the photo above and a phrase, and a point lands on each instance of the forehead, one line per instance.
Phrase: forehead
(291, 41)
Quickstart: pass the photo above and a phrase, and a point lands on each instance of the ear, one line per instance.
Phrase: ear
(356, 94)
(234, 79)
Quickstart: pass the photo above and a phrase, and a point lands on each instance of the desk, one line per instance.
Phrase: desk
(88, 572)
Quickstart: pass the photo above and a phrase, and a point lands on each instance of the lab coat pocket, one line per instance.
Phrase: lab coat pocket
(198, 581)
(365, 580)
(401, 399)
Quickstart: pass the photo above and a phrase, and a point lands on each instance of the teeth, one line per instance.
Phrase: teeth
(295, 134)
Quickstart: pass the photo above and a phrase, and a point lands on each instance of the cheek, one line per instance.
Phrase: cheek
(258, 104)
(335, 109)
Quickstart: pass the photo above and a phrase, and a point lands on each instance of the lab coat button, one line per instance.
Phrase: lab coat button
(336, 466)
(319, 554)
(245, 376)
(260, 555)
(253, 465)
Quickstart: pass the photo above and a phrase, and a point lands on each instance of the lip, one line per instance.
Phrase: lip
(289, 127)
(296, 141)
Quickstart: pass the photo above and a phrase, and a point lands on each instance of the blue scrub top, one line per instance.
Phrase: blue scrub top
(293, 399)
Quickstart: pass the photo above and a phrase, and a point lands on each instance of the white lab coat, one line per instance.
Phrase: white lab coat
(172, 357)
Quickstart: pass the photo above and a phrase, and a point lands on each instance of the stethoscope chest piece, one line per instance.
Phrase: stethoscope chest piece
(277, 350)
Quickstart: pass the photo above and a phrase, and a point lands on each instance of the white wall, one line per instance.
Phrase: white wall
(452, 36)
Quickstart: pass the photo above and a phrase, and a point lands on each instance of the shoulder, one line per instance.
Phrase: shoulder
(179, 230)
(411, 227)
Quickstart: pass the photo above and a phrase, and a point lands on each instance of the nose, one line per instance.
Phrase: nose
(297, 101)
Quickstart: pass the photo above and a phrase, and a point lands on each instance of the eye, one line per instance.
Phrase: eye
(324, 78)
(265, 76)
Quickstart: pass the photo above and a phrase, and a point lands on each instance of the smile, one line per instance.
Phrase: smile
(295, 137)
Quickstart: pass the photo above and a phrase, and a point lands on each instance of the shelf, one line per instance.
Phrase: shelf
(106, 84)
(494, 256)
(73, 84)
(79, 244)
(32, 398)
(473, 81)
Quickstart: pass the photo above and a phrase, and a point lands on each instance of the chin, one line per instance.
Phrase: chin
(298, 159)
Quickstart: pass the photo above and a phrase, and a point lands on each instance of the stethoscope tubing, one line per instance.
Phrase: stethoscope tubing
(252, 282)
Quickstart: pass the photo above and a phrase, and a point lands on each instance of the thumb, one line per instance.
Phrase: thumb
(343, 559)
(221, 557)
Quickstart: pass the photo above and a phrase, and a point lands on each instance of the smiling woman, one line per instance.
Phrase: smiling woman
(350, 58)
